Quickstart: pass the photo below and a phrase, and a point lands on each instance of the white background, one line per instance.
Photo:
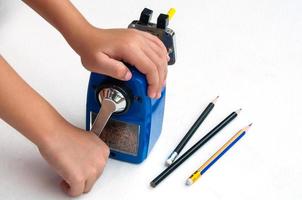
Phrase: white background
(248, 52)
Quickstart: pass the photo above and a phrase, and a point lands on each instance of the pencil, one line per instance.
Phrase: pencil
(191, 132)
(194, 148)
(233, 140)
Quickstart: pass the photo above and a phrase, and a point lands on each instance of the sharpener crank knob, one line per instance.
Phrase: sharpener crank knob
(145, 16)
(115, 95)
(112, 100)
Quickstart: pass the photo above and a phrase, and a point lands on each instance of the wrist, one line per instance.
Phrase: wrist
(50, 135)
(77, 34)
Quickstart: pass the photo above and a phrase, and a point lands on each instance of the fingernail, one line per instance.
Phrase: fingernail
(164, 83)
(158, 95)
(128, 76)
(152, 95)
(168, 57)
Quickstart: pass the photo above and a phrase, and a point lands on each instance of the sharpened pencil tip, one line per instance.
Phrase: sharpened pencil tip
(238, 111)
(247, 127)
(215, 100)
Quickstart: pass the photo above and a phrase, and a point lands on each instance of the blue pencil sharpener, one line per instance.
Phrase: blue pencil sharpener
(121, 112)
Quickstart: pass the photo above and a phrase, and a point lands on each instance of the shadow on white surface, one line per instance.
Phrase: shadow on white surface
(8, 10)
(30, 174)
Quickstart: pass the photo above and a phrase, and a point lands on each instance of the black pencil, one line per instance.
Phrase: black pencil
(191, 132)
(194, 148)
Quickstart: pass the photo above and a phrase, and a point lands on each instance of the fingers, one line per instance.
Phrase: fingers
(76, 190)
(81, 180)
(141, 49)
(161, 66)
(96, 171)
(110, 67)
(138, 58)
(149, 56)
(73, 189)
(77, 187)
(157, 52)
(64, 186)
(90, 182)
(163, 50)
(156, 40)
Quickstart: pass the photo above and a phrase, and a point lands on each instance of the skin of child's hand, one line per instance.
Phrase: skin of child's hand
(103, 50)
(78, 157)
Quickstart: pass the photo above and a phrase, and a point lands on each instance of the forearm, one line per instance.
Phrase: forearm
(25, 109)
(62, 15)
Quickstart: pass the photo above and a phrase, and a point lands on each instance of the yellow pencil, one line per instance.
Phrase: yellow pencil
(196, 175)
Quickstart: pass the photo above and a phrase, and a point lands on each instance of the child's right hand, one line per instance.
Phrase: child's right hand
(104, 51)
(79, 157)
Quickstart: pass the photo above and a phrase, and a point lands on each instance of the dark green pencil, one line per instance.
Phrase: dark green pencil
(194, 148)
(191, 132)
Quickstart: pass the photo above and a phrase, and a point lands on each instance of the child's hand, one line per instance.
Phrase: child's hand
(78, 157)
(102, 51)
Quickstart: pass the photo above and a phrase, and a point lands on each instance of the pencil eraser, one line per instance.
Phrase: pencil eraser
(171, 159)
(152, 184)
(168, 162)
(189, 181)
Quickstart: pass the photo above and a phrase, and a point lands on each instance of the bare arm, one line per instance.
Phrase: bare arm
(76, 155)
(25, 109)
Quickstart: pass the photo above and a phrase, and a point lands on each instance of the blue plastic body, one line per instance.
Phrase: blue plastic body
(143, 111)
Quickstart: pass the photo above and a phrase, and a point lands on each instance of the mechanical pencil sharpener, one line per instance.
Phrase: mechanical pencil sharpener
(121, 112)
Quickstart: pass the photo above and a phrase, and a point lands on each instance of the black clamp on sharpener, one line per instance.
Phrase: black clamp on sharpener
(161, 30)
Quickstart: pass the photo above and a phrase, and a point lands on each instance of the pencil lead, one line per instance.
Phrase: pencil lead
(247, 127)
(238, 111)
(215, 100)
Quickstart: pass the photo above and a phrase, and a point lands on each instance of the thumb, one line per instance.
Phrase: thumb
(111, 67)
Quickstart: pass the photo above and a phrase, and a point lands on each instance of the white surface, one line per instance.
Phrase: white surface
(248, 52)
